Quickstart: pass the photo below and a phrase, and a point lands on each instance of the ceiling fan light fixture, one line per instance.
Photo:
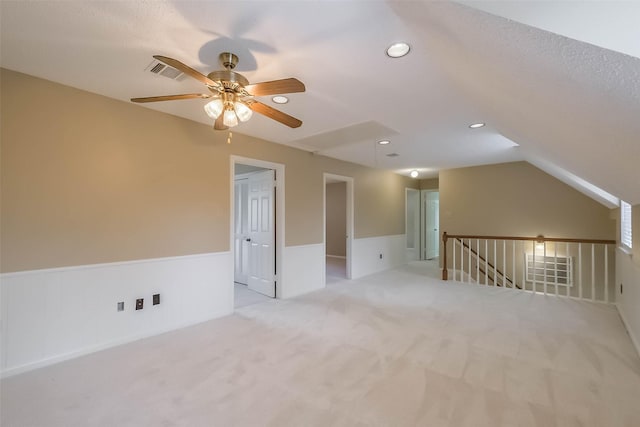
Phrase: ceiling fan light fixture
(243, 111)
(230, 119)
(279, 99)
(232, 96)
(414, 173)
(398, 50)
(214, 108)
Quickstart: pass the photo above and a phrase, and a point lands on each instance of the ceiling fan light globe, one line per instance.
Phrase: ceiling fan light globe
(243, 111)
(230, 119)
(214, 108)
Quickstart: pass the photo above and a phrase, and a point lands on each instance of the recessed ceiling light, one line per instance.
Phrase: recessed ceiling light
(414, 173)
(384, 142)
(398, 50)
(280, 99)
(476, 125)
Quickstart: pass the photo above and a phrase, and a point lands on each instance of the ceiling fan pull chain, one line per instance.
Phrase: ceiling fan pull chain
(229, 137)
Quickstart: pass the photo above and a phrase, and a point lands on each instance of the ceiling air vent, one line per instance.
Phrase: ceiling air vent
(393, 155)
(160, 69)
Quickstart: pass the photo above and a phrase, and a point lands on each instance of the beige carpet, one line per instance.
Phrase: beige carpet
(243, 296)
(399, 348)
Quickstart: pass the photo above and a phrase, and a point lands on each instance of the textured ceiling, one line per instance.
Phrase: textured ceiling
(571, 106)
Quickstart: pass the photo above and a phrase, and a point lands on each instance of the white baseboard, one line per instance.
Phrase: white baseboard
(366, 253)
(57, 314)
(630, 331)
(336, 256)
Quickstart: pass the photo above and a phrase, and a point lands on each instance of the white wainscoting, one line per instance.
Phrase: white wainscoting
(628, 303)
(366, 254)
(303, 270)
(57, 314)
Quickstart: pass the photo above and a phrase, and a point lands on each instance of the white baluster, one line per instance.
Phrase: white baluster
(469, 278)
(524, 279)
(478, 261)
(486, 264)
(569, 271)
(533, 245)
(544, 263)
(606, 273)
(504, 264)
(593, 272)
(454, 258)
(580, 269)
(495, 263)
(513, 260)
(555, 262)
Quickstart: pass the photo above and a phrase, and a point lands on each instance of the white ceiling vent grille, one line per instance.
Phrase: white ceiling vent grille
(160, 69)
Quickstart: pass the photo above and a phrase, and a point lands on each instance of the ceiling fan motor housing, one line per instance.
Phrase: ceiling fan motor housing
(228, 60)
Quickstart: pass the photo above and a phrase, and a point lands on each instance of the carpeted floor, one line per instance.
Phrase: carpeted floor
(243, 296)
(336, 270)
(399, 348)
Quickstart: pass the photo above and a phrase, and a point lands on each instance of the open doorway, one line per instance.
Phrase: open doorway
(254, 241)
(338, 227)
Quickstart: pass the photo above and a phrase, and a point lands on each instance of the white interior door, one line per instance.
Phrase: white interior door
(261, 277)
(432, 227)
(241, 231)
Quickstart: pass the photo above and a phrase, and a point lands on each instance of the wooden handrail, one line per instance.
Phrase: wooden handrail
(538, 239)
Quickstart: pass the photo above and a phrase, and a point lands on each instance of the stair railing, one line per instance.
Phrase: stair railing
(575, 268)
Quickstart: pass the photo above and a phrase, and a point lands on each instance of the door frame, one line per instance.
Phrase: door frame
(349, 238)
(278, 218)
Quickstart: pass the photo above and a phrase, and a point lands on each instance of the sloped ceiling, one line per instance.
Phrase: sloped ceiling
(569, 101)
(570, 104)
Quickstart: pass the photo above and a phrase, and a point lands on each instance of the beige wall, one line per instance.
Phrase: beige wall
(337, 219)
(517, 199)
(88, 179)
(429, 184)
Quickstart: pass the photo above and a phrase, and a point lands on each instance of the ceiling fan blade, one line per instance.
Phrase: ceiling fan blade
(274, 114)
(171, 97)
(219, 125)
(275, 87)
(187, 70)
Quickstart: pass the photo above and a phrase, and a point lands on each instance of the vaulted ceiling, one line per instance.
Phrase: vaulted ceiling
(557, 83)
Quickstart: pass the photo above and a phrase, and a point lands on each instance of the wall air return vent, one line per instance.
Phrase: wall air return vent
(160, 69)
(392, 155)
(554, 270)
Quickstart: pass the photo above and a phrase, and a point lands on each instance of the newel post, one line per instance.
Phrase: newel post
(445, 272)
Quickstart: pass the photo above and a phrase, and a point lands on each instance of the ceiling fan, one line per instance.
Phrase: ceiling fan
(233, 96)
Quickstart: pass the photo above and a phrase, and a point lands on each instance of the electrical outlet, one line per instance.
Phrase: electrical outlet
(121, 306)
(380, 256)
(139, 303)
(156, 299)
